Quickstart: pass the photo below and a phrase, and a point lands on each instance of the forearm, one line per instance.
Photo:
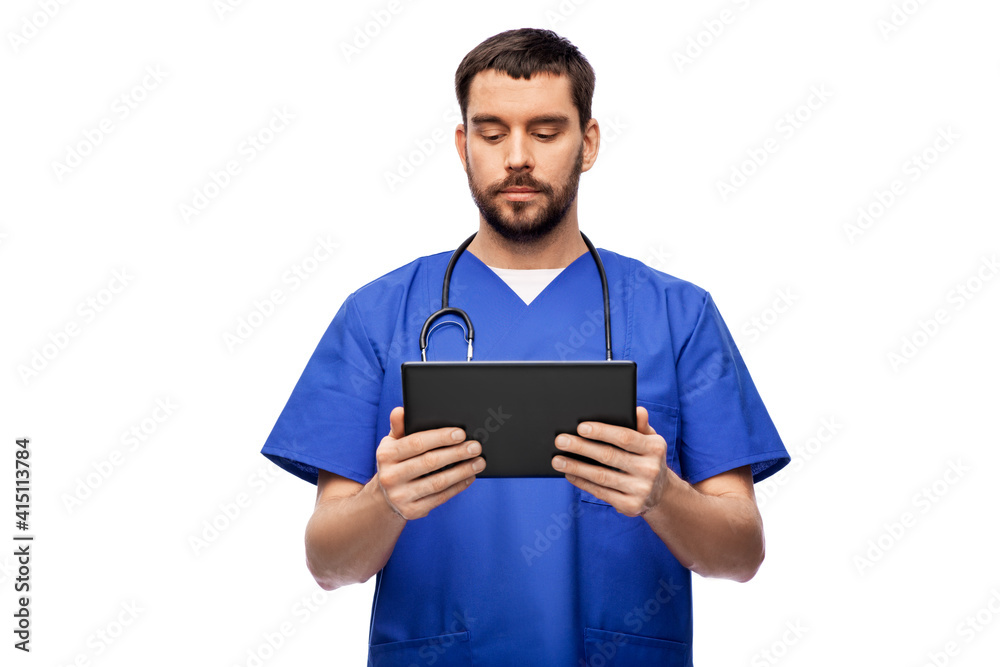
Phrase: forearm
(714, 536)
(348, 540)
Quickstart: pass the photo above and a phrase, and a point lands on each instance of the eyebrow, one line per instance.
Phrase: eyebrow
(546, 119)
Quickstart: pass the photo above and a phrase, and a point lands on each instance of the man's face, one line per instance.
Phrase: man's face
(524, 152)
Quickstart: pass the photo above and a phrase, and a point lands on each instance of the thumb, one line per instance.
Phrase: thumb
(396, 422)
(642, 419)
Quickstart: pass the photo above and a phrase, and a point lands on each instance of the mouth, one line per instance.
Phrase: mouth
(519, 194)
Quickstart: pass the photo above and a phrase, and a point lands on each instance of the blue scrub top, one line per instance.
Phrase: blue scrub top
(530, 570)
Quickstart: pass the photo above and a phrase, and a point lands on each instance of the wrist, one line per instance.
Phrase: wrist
(658, 512)
(378, 496)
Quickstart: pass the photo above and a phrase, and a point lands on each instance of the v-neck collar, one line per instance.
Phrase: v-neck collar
(509, 328)
(511, 295)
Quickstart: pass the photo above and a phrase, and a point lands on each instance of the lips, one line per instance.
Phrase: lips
(519, 194)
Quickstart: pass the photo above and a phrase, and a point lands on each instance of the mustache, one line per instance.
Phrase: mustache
(520, 181)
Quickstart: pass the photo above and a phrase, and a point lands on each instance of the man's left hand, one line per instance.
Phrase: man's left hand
(640, 455)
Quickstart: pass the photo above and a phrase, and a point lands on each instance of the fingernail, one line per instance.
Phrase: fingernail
(562, 440)
(456, 435)
(479, 465)
(584, 429)
(473, 447)
(559, 463)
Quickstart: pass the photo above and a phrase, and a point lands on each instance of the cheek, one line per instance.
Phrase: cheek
(481, 156)
(562, 171)
(481, 168)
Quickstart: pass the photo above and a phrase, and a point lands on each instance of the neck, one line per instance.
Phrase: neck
(555, 251)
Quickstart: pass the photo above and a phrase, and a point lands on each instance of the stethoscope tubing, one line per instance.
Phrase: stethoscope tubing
(470, 333)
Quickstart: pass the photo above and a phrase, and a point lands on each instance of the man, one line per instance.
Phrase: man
(593, 568)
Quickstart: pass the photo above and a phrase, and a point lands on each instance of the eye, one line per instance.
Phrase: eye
(545, 137)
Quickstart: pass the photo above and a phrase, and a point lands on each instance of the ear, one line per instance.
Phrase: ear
(591, 144)
(460, 144)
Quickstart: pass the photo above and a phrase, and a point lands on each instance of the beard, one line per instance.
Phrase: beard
(519, 225)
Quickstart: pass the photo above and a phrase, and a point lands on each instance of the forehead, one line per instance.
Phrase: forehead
(496, 93)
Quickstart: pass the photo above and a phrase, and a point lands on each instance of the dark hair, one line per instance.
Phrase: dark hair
(523, 52)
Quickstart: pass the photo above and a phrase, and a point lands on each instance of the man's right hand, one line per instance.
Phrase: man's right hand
(402, 459)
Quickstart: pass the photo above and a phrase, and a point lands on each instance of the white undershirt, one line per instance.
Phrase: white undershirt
(527, 283)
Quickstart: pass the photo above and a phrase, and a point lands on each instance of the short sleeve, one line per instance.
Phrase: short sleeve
(723, 421)
(330, 418)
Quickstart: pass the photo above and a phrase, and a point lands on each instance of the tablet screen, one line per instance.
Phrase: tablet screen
(515, 409)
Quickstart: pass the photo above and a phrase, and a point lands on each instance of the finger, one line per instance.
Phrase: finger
(642, 418)
(440, 481)
(593, 489)
(601, 452)
(417, 443)
(396, 422)
(435, 459)
(605, 477)
(620, 436)
(423, 506)
(610, 496)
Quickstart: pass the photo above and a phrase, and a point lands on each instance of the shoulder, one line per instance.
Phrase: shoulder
(648, 278)
(682, 300)
(393, 287)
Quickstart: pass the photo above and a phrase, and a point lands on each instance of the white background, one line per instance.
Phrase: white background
(673, 131)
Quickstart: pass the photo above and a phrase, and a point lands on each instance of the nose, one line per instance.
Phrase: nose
(519, 156)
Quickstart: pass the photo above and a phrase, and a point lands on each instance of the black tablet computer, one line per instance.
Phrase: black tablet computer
(515, 409)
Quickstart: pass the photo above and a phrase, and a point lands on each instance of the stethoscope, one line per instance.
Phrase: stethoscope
(424, 333)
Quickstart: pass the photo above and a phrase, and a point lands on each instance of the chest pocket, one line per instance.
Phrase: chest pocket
(448, 650)
(619, 648)
(663, 419)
